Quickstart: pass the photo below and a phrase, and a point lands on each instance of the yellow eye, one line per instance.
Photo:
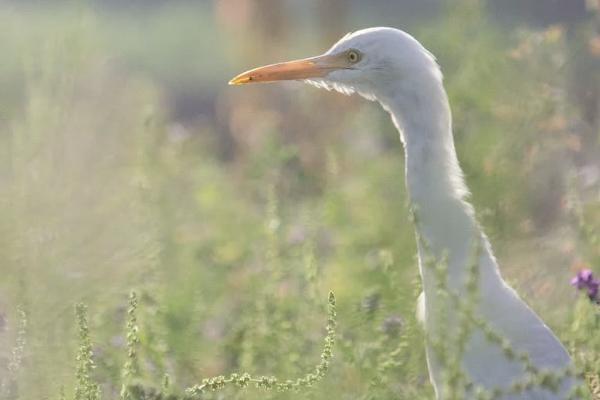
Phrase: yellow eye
(353, 56)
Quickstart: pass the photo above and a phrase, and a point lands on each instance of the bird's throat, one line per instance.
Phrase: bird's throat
(434, 179)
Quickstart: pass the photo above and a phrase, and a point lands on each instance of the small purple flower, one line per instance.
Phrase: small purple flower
(584, 280)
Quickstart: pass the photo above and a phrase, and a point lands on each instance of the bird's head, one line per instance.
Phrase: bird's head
(366, 61)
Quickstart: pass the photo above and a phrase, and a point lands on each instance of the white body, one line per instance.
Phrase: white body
(391, 67)
(405, 79)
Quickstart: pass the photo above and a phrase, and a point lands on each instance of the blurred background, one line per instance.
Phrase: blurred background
(128, 163)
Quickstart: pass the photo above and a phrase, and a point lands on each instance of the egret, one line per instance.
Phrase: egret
(389, 66)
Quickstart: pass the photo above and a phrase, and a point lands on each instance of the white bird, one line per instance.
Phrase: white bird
(390, 66)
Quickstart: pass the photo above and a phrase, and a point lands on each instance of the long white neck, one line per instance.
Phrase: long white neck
(444, 220)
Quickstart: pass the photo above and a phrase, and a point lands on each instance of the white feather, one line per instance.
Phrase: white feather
(403, 76)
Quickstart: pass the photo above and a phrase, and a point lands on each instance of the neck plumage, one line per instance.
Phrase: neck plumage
(445, 222)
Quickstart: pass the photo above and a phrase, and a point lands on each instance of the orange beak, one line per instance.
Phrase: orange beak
(314, 67)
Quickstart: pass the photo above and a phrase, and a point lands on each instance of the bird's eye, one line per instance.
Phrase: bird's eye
(354, 56)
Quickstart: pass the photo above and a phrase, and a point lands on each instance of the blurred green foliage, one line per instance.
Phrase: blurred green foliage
(233, 223)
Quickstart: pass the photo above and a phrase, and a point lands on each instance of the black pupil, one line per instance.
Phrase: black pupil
(353, 56)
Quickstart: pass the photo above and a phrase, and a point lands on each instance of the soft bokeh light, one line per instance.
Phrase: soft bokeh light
(127, 162)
